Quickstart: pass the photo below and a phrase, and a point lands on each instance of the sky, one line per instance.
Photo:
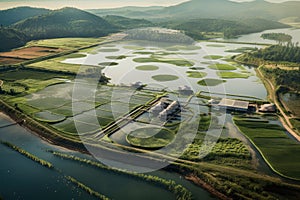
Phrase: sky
(96, 4)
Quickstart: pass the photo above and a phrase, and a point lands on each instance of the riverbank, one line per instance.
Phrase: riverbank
(272, 93)
(108, 155)
(210, 174)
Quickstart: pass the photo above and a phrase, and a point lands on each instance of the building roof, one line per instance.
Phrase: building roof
(234, 103)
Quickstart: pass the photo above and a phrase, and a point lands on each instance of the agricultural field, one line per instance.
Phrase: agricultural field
(54, 106)
(27, 53)
(29, 81)
(213, 57)
(228, 75)
(222, 67)
(56, 64)
(278, 149)
(66, 43)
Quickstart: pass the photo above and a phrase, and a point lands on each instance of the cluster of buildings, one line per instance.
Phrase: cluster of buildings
(240, 106)
(164, 110)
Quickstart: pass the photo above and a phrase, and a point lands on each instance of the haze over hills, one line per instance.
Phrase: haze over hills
(193, 17)
(213, 9)
(127, 23)
(13, 15)
(66, 22)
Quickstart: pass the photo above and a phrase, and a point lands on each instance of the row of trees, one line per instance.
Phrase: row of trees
(290, 78)
(286, 53)
(180, 192)
(279, 37)
(159, 35)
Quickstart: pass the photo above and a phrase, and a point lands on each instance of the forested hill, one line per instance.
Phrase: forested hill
(66, 22)
(10, 38)
(13, 15)
(230, 28)
(127, 23)
(222, 9)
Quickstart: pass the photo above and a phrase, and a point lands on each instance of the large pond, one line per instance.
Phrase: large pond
(255, 37)
(126, 69)
(22, 178)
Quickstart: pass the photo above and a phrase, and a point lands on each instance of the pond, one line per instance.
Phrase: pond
(255, 37)
(176, 66)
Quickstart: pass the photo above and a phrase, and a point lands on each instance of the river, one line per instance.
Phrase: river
(21, 178)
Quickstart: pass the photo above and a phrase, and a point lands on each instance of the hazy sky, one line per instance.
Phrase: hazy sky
(87, 4)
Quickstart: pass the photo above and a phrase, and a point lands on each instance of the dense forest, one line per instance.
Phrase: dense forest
(279, 37)
(286, 53)
(13, 15)
(10, 38)
(127, 23)
(229, 28)
(66, 22)
(290, 78)
(159, 35)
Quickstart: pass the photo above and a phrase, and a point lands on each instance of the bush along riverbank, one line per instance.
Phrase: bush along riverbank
(27, 154)
(86, 188)
(180, 192)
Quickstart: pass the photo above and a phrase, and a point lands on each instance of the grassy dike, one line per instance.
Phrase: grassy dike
(86, 188)
(50, 166)
(27, 154)
(180, 192)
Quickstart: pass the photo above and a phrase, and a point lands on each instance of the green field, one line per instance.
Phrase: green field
(213, 57)
(174, 61)
(165, 77)
(147, 68)
(150, 138)
(116, 57)
(56, 64)
(196, 74)
(222, 67)
(279, 150)
(66, 43)
(107, 50)
(133, 47)
(30, 80)
(210, 82)
(183, 48)
(215, 45)
(228, 75)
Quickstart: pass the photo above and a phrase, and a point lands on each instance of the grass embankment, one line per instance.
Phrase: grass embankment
(147, 68)
(229, 75)
(211, 82)
(86, 188)
(165, 77)
(213, 57)
(279, 150)
(27, 154)
(174, 61)
(196, 74)
(144, 138)
(56, 64)
(222, 67)
(179, 191)
(66, 43)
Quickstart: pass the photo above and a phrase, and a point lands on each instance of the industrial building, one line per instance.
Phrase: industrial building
(234, 105)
